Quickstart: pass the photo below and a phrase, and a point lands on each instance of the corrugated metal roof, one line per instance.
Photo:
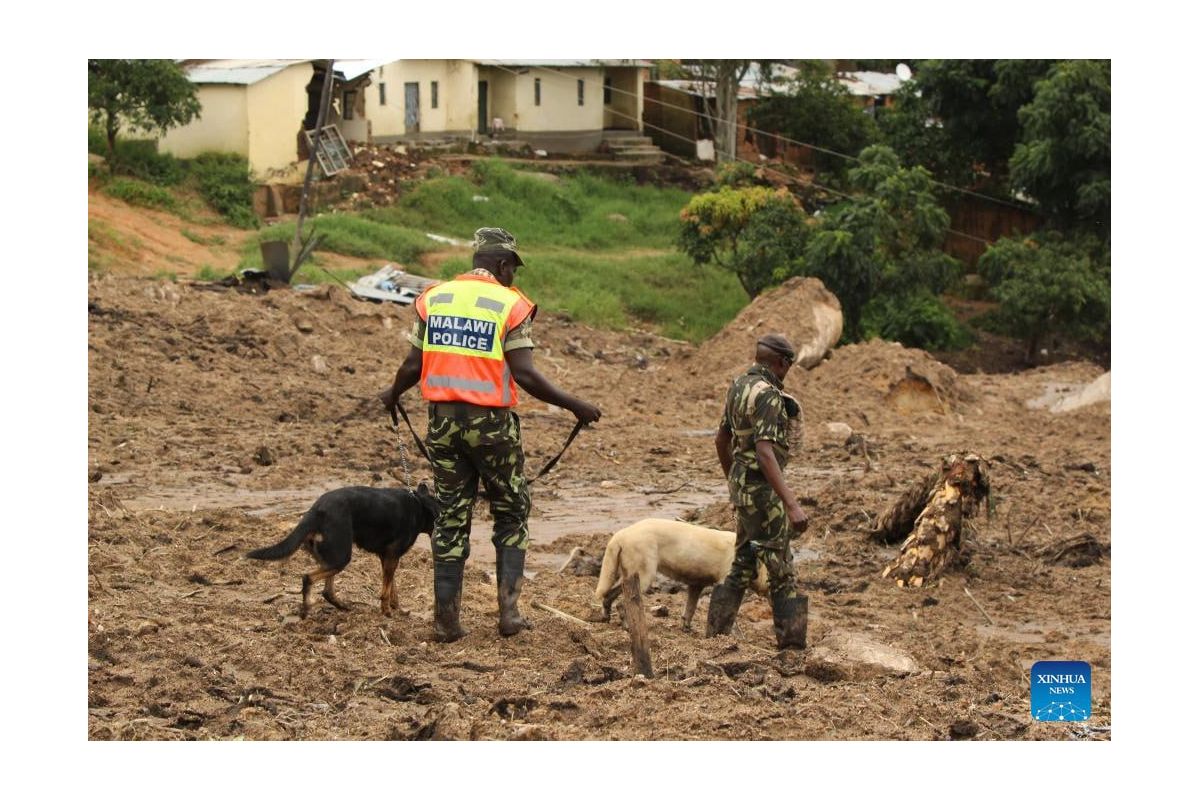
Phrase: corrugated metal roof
(352, 68)
(244, 71)
(706, 89)
(858, 83)
(566, 62)
(870, 83)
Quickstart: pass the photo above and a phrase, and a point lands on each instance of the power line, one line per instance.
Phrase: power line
(805, 181)
(783, 138)
(692, 141)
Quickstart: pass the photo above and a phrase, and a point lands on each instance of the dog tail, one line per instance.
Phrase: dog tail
(291, 544)
(610, 568)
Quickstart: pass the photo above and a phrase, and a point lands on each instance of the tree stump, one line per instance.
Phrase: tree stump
(941, 502)
(635, 620)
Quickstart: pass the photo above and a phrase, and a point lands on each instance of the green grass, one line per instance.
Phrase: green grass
(223, 180)
(347, 234)
(208, 272)
(140, 193)
(577, 211)
(202, 239)
(662, 291)
(598, 250)
(101, 236)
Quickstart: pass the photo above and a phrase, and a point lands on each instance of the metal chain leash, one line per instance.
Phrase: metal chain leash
(403, 457)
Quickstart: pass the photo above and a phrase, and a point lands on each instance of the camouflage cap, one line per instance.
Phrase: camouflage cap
(494, 240)
(778, 343)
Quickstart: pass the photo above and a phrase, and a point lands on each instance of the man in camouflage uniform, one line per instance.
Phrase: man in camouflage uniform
(474, 436)
(752, 445)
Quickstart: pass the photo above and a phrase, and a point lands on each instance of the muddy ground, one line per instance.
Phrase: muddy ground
(216, 417)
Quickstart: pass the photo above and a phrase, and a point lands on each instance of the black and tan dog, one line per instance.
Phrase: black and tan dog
(385, 522)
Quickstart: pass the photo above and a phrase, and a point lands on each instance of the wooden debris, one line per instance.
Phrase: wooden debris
(897, 522)
(935, 541)
(635, 619)
(560, 614)
(1078, 551)
(981, 608)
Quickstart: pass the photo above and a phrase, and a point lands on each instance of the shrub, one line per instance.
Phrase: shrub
(224, 181)
(139, 193)
(139, 158)
(1047, 284)
(918, 319)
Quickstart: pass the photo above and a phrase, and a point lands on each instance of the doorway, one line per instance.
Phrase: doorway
(412, 108)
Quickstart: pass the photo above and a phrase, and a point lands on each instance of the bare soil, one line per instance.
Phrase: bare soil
(217, 417)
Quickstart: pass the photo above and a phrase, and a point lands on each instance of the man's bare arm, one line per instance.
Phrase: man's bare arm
(723, 440)
(406, 377)
(767, 462)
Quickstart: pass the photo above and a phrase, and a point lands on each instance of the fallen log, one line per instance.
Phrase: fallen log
(897, 522)
(936, 538)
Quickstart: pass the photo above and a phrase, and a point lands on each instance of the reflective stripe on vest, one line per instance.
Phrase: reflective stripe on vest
(466, 322)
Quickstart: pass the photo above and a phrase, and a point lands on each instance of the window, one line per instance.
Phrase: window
(607, 91)
(537, 91)
(348, 105)
(579, 91)
(433, 94)
(383, 94)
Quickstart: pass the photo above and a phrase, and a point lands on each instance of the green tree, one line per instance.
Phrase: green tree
(817, 109)
(756, 232)
(959, 118)
(1064, 157)
(139, 94)
(722, 77)
(1049, 284)
(885, 240)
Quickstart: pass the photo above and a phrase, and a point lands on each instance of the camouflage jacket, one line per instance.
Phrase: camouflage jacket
(756, 409)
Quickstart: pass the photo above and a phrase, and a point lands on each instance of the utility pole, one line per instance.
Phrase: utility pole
(322, 115)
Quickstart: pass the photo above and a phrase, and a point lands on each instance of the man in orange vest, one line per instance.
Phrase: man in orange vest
(471, 349)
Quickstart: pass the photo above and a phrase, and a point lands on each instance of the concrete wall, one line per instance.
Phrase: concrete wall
(624, 112)
(260, 121)
(457, 97)
(560, 110)
(277, 106)
(222, 126)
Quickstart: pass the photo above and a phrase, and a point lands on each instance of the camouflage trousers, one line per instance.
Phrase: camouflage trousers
(467, 445)
(763, 533)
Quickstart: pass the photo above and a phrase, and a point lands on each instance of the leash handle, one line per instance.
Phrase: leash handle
(550, 464)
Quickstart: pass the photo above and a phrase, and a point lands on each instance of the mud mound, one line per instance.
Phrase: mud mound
(880, 379)
(801, 308)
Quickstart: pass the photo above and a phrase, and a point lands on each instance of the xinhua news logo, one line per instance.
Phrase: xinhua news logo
(1060, 691)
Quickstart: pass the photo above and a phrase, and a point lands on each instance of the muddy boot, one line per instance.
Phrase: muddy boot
(722, 609)
(510, 574)
(447, 594)
(791, 621)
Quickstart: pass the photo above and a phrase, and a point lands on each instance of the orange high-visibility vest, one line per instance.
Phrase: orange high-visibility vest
(466, 322)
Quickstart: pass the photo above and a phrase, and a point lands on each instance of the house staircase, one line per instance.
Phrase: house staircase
(631, 146)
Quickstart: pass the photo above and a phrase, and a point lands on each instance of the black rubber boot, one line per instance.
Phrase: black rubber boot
(447, 595)
(791, 622)
(510, 574)
(722, 609)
